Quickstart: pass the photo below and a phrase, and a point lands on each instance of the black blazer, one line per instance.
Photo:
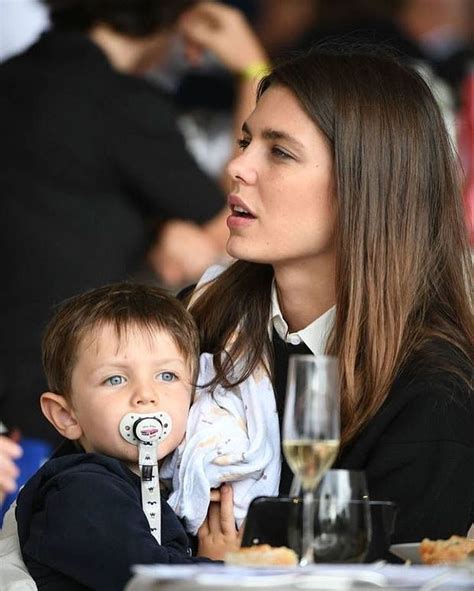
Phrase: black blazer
(418, 450)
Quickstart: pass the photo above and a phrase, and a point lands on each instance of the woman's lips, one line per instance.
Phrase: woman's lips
(235, 221)
(238, 206)
(241, 215)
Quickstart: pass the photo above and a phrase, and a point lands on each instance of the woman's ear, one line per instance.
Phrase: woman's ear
(59, 413)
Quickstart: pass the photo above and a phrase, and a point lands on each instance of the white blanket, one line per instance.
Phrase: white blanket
(14, 575)
(232, 436)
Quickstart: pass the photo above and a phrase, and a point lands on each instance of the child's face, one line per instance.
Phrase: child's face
(140, 372)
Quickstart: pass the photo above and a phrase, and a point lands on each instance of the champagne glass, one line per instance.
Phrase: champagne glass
(311, 430)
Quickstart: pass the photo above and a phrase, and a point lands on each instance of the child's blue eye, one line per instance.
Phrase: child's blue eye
(167, 376)
(115, 380)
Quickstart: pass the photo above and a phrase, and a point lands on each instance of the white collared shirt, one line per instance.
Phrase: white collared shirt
(314, 336)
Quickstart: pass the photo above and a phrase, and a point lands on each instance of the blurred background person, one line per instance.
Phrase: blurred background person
(218, 35)
(444, 30)
(438, 32)
(94, 174)
(97, 184)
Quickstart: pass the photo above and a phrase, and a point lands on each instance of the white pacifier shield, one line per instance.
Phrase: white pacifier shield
(145, 427)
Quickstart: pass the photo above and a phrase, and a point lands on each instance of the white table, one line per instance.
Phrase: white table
(321, 577)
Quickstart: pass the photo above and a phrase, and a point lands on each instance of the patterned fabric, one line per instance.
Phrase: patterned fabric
(232, 436)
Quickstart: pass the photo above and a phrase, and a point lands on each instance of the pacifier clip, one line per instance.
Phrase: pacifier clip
(147, 430)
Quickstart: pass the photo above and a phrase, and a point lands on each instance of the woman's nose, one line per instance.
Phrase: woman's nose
(242, 169)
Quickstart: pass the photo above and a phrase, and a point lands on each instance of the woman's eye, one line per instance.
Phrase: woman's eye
(167, 376)
(279, 153)
(243, 143)
(115, 380)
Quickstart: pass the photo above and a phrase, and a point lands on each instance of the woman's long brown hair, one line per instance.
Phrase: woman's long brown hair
(403, 268)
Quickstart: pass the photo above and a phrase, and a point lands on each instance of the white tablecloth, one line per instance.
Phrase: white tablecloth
(338, 577)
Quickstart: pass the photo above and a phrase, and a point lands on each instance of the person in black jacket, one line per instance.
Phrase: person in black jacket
(116, 352)
(347, 222)
(95, 178)
(94, 175)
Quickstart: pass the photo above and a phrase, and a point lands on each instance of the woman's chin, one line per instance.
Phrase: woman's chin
(240, 249)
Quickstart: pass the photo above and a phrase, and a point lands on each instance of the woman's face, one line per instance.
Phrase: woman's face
(282, 203)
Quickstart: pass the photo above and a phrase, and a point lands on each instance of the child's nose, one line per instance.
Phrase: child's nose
(145, 395)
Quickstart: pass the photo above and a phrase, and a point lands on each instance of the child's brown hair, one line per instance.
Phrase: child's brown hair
(124, 306)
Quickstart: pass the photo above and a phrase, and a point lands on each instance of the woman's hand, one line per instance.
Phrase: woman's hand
(9, 452)
(182, 252)
(224, 31)
(218, 534)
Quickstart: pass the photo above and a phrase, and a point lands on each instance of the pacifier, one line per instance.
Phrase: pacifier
(147, 430)
(145, 427)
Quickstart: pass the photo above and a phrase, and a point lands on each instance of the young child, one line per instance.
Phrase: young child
(113, 353)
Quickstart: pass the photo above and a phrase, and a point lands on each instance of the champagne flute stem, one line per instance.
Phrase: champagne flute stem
(307, 551)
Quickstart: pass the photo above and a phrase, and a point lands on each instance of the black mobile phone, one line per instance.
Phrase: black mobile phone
(269, 521)
(277, 521)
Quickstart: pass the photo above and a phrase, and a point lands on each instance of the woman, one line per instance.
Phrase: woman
(347, 224)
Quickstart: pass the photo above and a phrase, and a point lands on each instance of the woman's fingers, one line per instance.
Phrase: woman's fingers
(227, 519)
(7, 485)
(218, 534)
(220, 516)
(213, 516)
(169, 255)
(215, 495)
(9, 448)
(9, 452)
(224, 31)
(203, 531)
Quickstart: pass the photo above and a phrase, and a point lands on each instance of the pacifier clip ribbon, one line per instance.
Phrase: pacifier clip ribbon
(147, 430)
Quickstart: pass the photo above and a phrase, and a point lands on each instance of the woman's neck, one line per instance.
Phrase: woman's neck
(304, 292)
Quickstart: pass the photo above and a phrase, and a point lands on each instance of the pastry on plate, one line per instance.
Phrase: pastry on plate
(262, 555)
(454, 549)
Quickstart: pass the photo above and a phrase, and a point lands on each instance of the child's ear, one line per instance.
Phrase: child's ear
(59, 413)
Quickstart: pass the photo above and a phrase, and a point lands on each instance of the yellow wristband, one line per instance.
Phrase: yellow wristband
(255, 70)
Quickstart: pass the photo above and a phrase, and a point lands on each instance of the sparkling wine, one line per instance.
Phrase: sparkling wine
(309, 459)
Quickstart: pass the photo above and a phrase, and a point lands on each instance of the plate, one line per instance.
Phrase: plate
(407, 552)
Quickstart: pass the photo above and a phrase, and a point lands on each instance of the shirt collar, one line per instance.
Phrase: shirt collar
(314, 336)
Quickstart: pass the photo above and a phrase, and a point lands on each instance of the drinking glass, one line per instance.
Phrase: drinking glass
(343, 520)
(311, 430)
